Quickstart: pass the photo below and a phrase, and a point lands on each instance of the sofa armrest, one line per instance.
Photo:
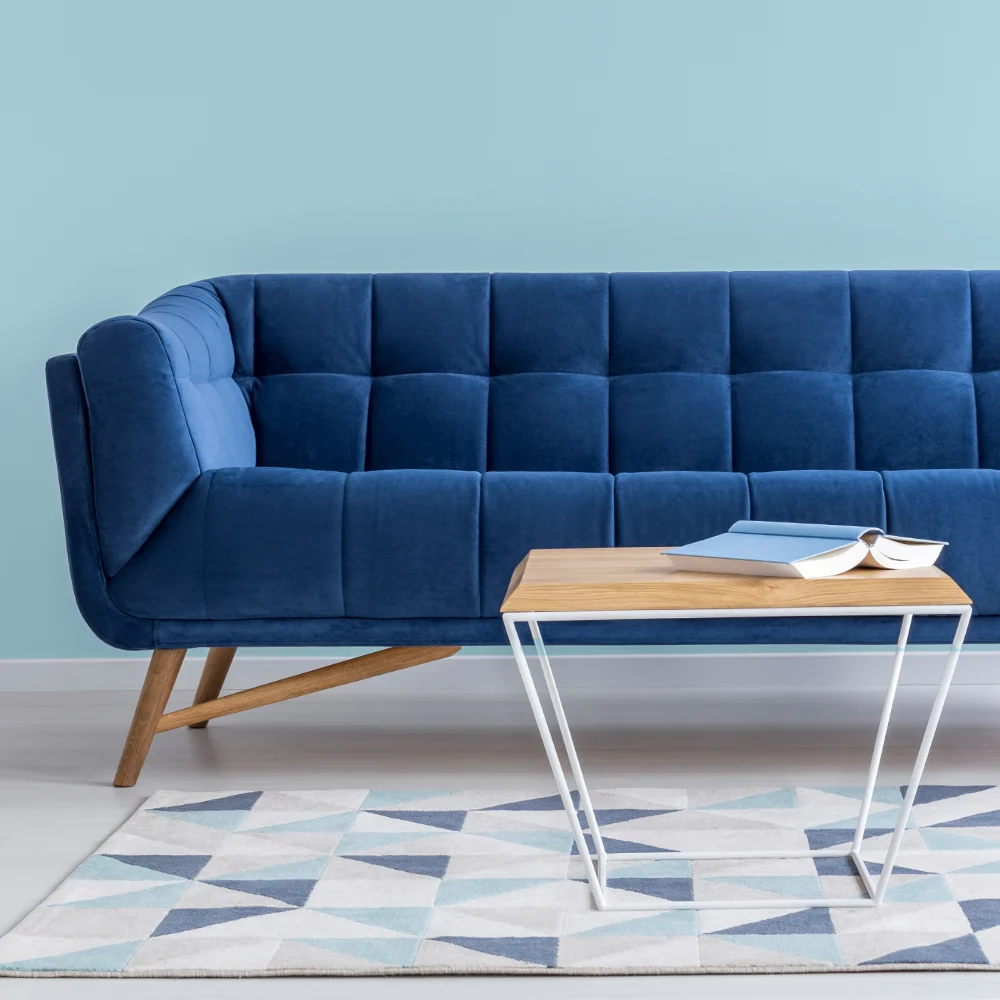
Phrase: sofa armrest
(163, 408)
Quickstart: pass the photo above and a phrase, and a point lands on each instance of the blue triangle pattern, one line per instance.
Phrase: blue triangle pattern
(545, 803)
(450, 819)
(188, 919)
(982, 914)
(661, 888)
(403, 919)
(812, 921)
(490, 897)
(243, 801)
(434, 865)
(542, 951)
(965, 950)
(991, 818)
(106, 958)
(182, 865)
(295, 892)
(936, 793)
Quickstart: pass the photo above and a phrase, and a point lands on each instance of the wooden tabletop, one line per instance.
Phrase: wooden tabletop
(642, 579)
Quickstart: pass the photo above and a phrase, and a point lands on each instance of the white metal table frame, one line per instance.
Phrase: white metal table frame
(597, 874)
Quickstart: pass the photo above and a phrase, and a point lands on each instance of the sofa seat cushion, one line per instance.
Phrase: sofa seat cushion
(533, 510)
(243, 543)
(411, 544)
(674, 508)
(819, 496)
(957, 506)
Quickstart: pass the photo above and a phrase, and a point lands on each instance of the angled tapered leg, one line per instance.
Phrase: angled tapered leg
(164, 666)
(217, 665)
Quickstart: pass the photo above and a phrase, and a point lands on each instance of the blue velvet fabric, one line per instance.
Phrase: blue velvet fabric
(411, 544)
(532, 510)
(674, 508)
(322, 459)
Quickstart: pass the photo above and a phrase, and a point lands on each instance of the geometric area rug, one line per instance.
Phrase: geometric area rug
(348, 883)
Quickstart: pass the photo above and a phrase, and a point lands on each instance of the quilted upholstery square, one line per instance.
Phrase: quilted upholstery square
(669, 322)
(674, 508)
(312, 421)
(792, 420)
(790, 321)
(915, 420)
(428, 421)
(911, 319)
(820, 496)
(549, 323)
(312, 323)
(431, 323)
(548, 421)
(670, 420)
(411, 544)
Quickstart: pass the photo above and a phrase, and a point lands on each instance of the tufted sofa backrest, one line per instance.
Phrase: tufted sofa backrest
(744, 371)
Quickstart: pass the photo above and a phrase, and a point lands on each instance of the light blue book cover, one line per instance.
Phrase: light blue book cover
(786, 548)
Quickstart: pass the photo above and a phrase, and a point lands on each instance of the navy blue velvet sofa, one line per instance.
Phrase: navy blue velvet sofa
(351, 459)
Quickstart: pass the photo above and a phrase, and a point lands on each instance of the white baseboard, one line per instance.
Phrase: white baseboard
(495, 674)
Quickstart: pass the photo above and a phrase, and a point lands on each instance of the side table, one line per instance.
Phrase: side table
(639, 583)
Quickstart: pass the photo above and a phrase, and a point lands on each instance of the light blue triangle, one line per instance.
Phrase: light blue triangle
(818, 947)
(990, 868)
(783, 885)
(670, 923)
(780, 798)
(385, 800)
(334, 823)
(405, 919)
(354, 842)
(397, 952)
(665, 868)
(158, 896)
(890, 795)
(218, 819)
(926, 889)
(885, 820)
(461, 890)
(99, 866)
(561, 842)
(948, 840)
(106, 958)
(309, 869)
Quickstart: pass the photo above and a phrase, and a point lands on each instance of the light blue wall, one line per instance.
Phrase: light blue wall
(143, 145)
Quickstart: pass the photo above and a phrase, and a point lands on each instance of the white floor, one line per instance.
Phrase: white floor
(58, 753)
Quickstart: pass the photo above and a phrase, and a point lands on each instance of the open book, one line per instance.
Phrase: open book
(807, 551)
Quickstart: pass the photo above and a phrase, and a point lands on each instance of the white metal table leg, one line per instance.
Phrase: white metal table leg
(574, 760)
(922, 753)
(542, 723)
(597, 877)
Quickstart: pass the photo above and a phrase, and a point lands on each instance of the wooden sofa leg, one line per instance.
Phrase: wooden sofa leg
(164, 666)
(217, 664)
